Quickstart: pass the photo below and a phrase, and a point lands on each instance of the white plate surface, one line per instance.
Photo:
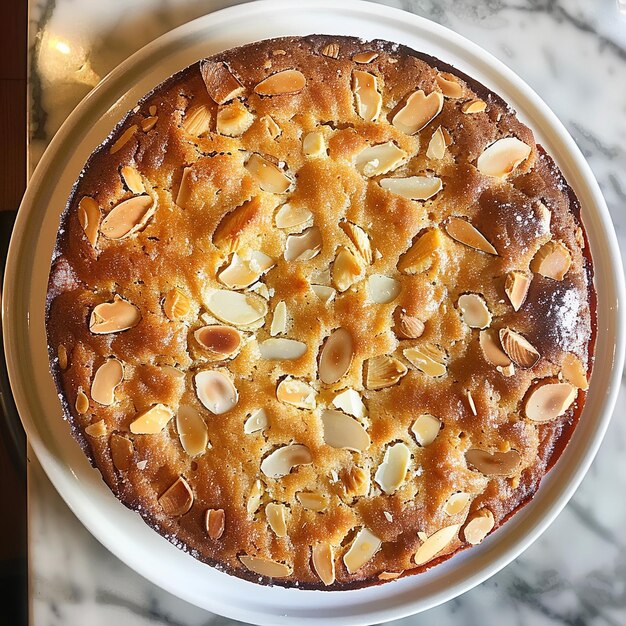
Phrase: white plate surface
(122, 531)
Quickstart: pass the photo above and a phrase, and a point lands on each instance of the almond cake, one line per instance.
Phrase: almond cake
(322, 311)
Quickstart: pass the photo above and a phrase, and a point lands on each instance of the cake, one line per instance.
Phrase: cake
(321, 311)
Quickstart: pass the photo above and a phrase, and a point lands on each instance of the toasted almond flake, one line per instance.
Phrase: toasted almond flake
(220, 341)
(383, 289)
(214, 522)
(197, 120)
(331, 50)
(347, 269)
(128, 217)
(413, 187)
(408, 326)
(284, 82)
(271, 127)
(233, 119)
(97, 429)
(297, 393)
(518, 348)
(313, 500)
(365, 57)
(269, 177)
(336, 356)
(421, 255)
(108, 376)
(149, 123)
(304, 246)
(324, 293)
(545, 216)
(313, 144)
(427, 358)
(276, 515)
(368, 99)
(350, 402)
(280, 462)
(552, 260)
(255, 497)
(343, 431)
(232, 226)
(132, 179)
(426, 427)
(323, 559)
(238, 309)
(516, 288)
(89, 219)
(152, 110)
(479, 526)
(470, 402)
(449, 86)
(418, 111)
(123, 139)
(464, 232)
(113, 317)
(390, 575)
(242, 272)
(220, 83)
(289, 216)
(279, 319)
(492, 349)
(359, 239)
(192, 430)
(257, 422)
(152, 420)
(474, 106)
(574, 371)
(384, 371)
(436, 145)
(379, 159)
(550, 400)
(434, 544)
(474, 310)
(216, 391)
(502, 157)
(122, 451)
(456, 503)
(507, 371)
(178, 499)
(365, 545)
(281, 349)
(185, 188)
(391, 473)
(176, 305)
(356, 481)
(265, 567)
(494, 464)
(62, 356)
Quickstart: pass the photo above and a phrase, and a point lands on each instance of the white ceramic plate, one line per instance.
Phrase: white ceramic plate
(122, 531)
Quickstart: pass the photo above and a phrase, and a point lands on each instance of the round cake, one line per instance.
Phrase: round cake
(321, 311)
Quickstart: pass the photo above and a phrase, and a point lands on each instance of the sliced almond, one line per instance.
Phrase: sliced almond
(297, 393)
(220, 341)
(379, 159)
(389, 575)
(347, 269)
(151, 421)
(323, 558)
(97, 429)
(474, 310)
(238, 309)
(456, 503)
(192, 430)
(305, 246)
(548, 401)
(365, 545)
(178, 499)
(313, 500)
(276, 515)
(265, 567)
(479, 526)
(502, 157)
(574, 371)
(314, 145)
(384, 371)
(356, 481)
(108, 376)
(279, 319)
(516, 288)
(413, 187)
(269, 177)
(149, 123)
(62, 356)
(255, 497)
(216, 391)
(233, 120)
(436, 145)
(392, 471)
(365, 57)
(331, 50)
(418, 111)
(427, 358)
(426, 427)
(474, 106)
(359, 239)
(280, 462)
(232, 226)
(123, 139)
(421, 255)
(518, 348)
(122, 452)
(290, 216)
(197, 120)
(434, 544)
(220, 83)
(383, 289)
(324, 293)
(128, 217)
(242, 272)
(89, 218)
(494, 464)
(367, 98)
(214, 522)
(336, 356)
(350, 402)
(256, 422)
(552, 260)
(281, 349)
(285, 82)
(449, 86)
(185, 189)
(408, 326)
(132, 179)
(461, 230)
(271, 127)
(152, 109)
(343, 431)
(492, 349)
(176, 305)
(113, 317)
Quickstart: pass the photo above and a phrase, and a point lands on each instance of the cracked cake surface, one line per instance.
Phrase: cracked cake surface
(322, 311)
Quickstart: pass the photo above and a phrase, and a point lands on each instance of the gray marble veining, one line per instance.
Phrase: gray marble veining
(573, 53)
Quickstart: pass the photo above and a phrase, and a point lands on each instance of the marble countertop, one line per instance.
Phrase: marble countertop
(573, 53)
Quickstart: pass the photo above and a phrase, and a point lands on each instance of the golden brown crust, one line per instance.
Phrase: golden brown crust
(167, 266)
